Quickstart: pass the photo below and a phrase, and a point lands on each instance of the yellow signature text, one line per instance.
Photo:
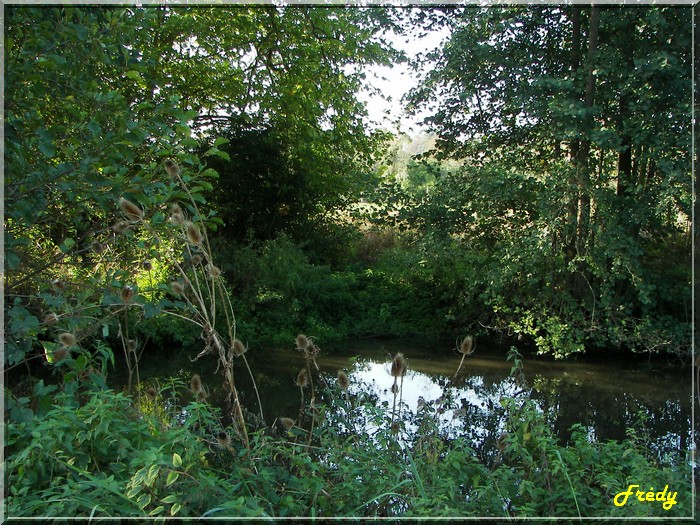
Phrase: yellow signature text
(667, 497)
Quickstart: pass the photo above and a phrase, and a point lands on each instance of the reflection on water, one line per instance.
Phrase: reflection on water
(605, 399)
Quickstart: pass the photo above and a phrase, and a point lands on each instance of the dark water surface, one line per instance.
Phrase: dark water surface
(606, 399)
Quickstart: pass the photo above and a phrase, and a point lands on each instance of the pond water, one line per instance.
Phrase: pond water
(606, 399)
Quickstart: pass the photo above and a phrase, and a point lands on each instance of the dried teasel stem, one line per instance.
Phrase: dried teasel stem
(465, 348)
(398, 370)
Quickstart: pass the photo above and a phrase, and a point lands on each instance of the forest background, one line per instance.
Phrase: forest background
(146, 144)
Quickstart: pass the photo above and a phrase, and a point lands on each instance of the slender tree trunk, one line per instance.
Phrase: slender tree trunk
(580, 203)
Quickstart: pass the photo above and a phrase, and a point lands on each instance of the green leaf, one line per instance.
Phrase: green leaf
(67, 245)
(177, 460)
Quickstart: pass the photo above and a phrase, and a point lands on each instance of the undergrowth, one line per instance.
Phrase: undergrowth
(82, 450)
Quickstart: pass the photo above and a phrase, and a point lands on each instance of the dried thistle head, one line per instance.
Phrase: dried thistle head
(302, 342)
(50, 318)
(286, 422)
(67, 339)
(193, 234)
(302, 378)
(130, 210)
(238, 348)
(398, 365)
(467, 345)
(127, 293)
(172, 168)
(343, 380)
(177, 287)
(223, 439)
(196, 384)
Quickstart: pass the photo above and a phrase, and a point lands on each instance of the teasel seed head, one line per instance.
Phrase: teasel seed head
(176, 215)
(196, 384)
(127, 293)
(151, 392)
(177, 287)
(214, 271)
(302, 342)
(501, 441)
(120, 226)
(60, 354)
(130, 210)
(131, 345)
(238, 348)
(302, 378)
(286, 422)
(172, 168)
(97, 247)
(202, 396)
(193, 234)
(196, 259)
(394, 388)
(312, 349)
(67, 339)
(224, 439)
(467, 346)
(50, 318)
(398, 365)
(343, 380)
